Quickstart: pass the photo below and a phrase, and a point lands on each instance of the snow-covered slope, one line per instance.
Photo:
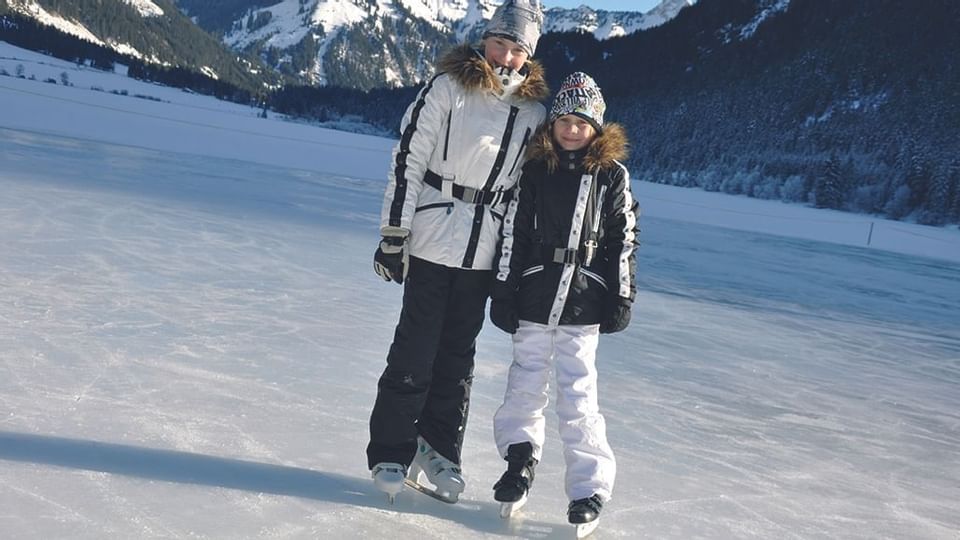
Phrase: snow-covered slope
(191, 335)
(353, 43)
(31, 8)
(607, 24)
(140, 29)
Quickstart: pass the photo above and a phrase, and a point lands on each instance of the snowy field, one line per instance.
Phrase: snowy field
(191, 334)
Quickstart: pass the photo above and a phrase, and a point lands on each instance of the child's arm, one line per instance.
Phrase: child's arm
(622, 238)
(512, 254)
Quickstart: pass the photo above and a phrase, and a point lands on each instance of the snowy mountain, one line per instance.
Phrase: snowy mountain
(607, 24)
(347, 43)
(365, 44)
(154, 32)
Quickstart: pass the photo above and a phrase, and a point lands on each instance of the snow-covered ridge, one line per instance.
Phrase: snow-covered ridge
(769, 8)
(145, 8)
(609, 24)
(34, 10)
(765, 9)
(288, 25)
(284, 25)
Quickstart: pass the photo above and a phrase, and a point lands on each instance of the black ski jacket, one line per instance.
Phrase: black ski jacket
(543, 265)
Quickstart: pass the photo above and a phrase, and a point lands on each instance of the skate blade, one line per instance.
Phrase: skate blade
(507, 509)
(585, 529)
(442, 497)
(390, 490)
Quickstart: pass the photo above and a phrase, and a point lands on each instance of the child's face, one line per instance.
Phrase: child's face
(502, 52)
(573, 133)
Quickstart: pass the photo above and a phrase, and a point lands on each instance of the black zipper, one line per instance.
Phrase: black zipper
(446, 139)
(526, 137)
(447, 205)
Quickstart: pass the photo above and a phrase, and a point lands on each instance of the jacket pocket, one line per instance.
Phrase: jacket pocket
(447, 205)
(595, 277)
(532, 270)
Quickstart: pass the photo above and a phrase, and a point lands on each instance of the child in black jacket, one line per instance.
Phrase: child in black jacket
(565, 274)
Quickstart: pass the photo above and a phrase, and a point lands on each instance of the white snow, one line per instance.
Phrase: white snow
(285, 29)
(36, 11)
(146, 8)
(773, 7)
(126, 48)
(191, 334)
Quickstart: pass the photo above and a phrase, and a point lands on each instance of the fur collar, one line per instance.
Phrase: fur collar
(468, 67)
(610, 145)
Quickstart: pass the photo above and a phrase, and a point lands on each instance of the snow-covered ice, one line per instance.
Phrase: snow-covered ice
(191, 334)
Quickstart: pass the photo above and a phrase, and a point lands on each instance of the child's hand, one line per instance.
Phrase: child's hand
(504, 315)
(616, 316)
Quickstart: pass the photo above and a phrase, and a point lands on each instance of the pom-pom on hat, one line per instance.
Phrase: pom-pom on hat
(517, 20)
(579, 95)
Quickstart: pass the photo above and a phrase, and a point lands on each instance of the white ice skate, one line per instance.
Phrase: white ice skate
(388, 478)
(439, 471)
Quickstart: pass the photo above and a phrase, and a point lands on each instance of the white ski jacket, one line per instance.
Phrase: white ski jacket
(467, 135)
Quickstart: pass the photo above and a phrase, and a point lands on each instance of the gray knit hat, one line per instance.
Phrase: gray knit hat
(579, 95)
(517, 20)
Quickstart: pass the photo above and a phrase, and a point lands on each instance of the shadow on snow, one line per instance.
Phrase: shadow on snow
(189, 468)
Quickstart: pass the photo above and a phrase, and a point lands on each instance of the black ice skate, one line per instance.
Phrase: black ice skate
(585, 514)
(512, 488)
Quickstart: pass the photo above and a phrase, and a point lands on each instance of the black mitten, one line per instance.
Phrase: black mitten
(616, 315)
(504, 315)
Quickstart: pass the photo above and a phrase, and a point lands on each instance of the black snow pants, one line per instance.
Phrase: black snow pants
(425, 388)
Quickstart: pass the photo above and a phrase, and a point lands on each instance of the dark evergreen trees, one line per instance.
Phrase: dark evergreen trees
(828, 188)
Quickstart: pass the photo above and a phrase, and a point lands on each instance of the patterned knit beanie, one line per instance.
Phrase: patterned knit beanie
(517, 20)
(579, 95)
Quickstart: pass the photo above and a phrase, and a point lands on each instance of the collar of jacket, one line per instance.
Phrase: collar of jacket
(611, 145)
(468, 67)
(571, 161)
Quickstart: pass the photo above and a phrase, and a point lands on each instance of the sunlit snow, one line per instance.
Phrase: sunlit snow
(191, 334)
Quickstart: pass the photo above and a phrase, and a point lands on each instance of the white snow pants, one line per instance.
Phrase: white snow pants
(572, 350)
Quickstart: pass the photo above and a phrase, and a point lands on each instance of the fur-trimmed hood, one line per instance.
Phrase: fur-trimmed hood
(611, 144)
(468, 67)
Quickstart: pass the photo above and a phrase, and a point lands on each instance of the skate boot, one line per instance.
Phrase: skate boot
(585, 514)
(512, 488)
(388, 478)
(444, 474)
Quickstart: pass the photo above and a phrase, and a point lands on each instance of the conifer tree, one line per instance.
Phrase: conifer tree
(828, 189)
